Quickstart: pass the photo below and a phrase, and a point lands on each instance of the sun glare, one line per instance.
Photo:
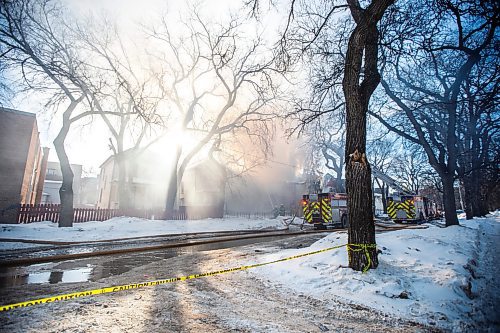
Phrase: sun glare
(184, 138)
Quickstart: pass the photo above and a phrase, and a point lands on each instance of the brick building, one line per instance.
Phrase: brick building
(22, 162)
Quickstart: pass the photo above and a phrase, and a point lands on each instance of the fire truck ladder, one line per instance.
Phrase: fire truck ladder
(389, 181)
(393, 207)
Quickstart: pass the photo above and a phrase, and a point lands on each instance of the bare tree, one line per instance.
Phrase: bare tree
(411, 167)
(319, 115)
(431, 56)
(34, 44)
(217, 85)
(333, 151)
(326, 138)
(129, 91)
(38, 43)
(360, 79)
(478, 132)
(6, 92)
(359, 76)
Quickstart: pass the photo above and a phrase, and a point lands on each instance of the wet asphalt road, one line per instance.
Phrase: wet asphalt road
(93, 269)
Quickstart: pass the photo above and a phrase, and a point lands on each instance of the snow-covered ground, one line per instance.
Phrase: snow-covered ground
(124, 227)
(447, 277)
(442, 277)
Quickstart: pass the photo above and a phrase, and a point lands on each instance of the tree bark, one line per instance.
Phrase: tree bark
(482, 204)
(468, 198)
(173, 184)
(362, 42)
(473, 185)
(66, 190)
(449, 199)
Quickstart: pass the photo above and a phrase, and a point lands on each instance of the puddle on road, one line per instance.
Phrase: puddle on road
(68, 276)
(72, 271)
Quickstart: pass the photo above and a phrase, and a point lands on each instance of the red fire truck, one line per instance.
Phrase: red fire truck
(325, 209)
(410, 208)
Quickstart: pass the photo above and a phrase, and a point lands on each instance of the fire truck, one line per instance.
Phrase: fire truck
(410, 208)
(329, 208)
(325, 210)
(406, 206)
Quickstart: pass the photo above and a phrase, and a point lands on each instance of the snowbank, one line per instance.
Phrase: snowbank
(125, 227)
(425, 275)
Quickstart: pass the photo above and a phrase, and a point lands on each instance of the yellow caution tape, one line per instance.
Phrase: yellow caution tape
(106, 290)
(362, 247)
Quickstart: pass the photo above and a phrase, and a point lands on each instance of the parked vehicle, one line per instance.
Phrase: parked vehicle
(461, 214)
(325, 209)
(410, 208)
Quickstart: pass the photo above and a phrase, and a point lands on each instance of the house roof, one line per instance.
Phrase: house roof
(126, 152)
(106, 161)
(24, 113)
(204, 162)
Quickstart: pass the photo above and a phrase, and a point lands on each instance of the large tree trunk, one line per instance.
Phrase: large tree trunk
(123, 183)
(468, 198)
(173, 182)
(66, 190)
(362, 42)
(171, 195)
(450, 209)
(176, 174)
(482, 203)
(475, 198)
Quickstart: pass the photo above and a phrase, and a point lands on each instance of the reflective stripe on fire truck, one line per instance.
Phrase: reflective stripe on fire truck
(407, 206)
(308, 211)
(326, 210)
(410, 212)
(391, 209)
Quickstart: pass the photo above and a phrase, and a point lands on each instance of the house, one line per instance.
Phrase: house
(88, 191)
(202, 192)
(53, 182)
(249, 194)
(280, 183)
(144, 181)
(22, 163)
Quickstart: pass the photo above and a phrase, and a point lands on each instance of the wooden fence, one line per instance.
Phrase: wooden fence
(28, 213)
